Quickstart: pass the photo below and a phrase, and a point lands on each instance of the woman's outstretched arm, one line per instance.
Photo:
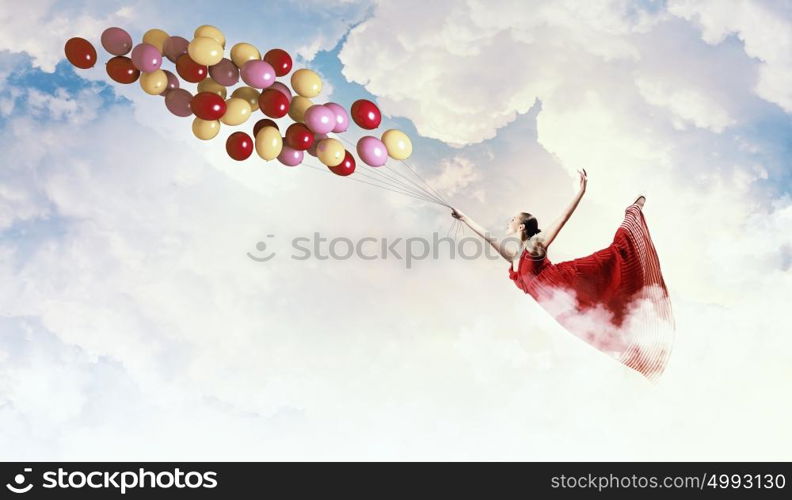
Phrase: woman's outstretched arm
(550, 232)
(479, 230)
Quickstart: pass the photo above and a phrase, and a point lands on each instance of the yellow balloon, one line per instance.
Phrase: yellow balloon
(154, 83)
(156, 37)
(269, 143)
(249, 94)
(398, 144)
(205, 129)
(209, 85)
(244, 52)
(205, 51)
(330, 152)
(306, 83)
(237, 111)
(298, 106)
(211, 32)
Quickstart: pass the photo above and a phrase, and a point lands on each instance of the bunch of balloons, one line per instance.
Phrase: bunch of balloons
(203, 61)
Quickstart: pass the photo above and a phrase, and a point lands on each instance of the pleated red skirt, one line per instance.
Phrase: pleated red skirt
(615, 299)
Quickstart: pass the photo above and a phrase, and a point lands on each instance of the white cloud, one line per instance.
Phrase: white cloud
(689, 105)
(465, 69)
(765, 30)
(456, 174)
(140, 308)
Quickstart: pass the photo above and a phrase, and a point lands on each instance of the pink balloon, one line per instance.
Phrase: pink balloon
(320, 119)
(290, 156)
(283, 89)
(146, 57)
(341, 117)
(174, 47)
(317, 138)
(258, 74)
(372, 151)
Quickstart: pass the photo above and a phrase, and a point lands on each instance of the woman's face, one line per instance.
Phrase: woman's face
(514, 225)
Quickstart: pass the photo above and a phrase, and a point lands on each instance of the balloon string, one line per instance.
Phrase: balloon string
(374, 178)
(378, 185)
(403, 181)
(380, 176)
(426, 183)
(450, 228)
(373, 184)
(393, 184)
(417, 185)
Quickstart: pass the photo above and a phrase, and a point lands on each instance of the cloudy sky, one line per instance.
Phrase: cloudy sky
(133, 324)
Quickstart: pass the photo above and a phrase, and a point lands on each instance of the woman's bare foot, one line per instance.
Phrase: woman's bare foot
(640, 201)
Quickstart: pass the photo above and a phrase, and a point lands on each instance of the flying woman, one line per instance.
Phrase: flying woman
(614, 299)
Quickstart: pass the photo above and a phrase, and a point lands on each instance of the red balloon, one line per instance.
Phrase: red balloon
(190, 70)
(280, 60)
(299, 137)
(346, 167)
(264, 122)
(208, 106)
(366, 114)
(80, 52)
(121, 69)
(273, 103)
(239, 146)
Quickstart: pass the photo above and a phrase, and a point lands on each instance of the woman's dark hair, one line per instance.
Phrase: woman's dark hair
(531, 224)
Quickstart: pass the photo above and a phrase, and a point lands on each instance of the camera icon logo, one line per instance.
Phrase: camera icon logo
(19, 483)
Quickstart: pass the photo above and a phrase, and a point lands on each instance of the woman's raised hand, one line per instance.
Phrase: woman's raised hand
(457, 214)
(583, 179)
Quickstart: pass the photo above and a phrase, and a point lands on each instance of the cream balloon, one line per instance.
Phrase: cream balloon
(269, 143)
(298, 106)
(398, 144)
(209, 85)
(237, 111)
(211, 32)
(154, 83)
(249, 94)
(205, 51)
(330, 152)
(306, 83)
(205, 129)
(244, 52)
(156, 37)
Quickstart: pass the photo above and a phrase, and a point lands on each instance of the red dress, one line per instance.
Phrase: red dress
(615, 298)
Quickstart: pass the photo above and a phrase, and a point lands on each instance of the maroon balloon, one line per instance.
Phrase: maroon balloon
(239, 146)
(299, 137)
(264, 122)
(121, 69)
(190, 70)
(280, 60)
(173, 82)
(346, 167)
(225, 73)
(178, 102)
(208, 106)
(366, 114)
(116, 41)
(273, 103)
(80, 52)
(175, 47)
